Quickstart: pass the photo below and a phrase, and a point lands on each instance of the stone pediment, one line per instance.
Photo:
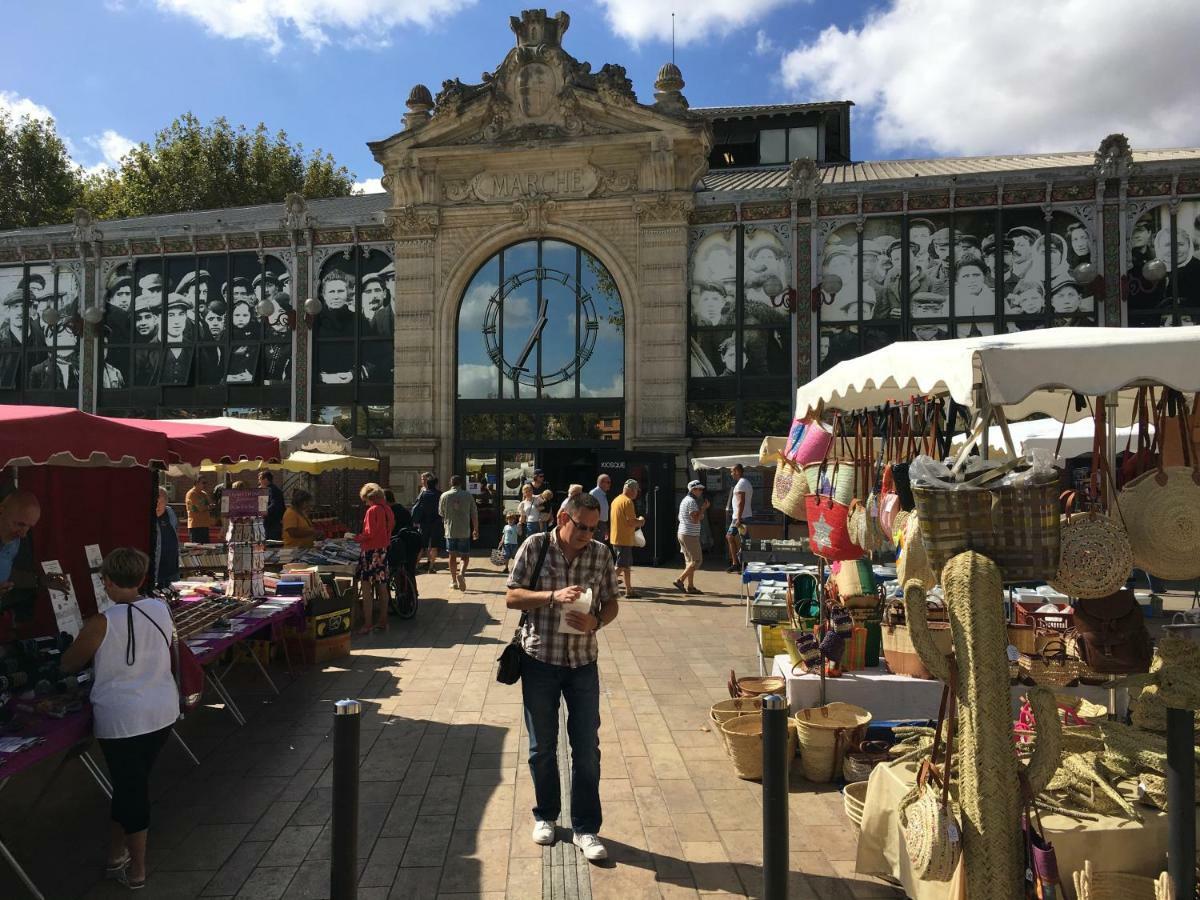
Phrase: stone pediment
(539, 97)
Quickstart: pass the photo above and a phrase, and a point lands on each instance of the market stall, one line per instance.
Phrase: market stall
(976, 529)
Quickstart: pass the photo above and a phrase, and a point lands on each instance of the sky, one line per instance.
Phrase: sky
(928, 77)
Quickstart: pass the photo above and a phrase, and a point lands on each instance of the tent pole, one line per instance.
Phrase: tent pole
(1002, 421)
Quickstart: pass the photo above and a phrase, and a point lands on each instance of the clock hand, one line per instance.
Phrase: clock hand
(533, 336)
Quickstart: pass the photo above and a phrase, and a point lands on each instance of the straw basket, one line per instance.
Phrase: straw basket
(755, 686)
(1095, 559)
(743, 740)
(1162, 512)
(789, 488)
(901, 654)
(1092, 885)
(854, 800)
(826, 732)
(1016, 526)
(724, 710)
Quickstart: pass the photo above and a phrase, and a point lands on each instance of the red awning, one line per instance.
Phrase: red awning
(55, 435)
(193, 445)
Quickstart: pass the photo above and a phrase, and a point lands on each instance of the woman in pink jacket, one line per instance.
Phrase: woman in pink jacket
(372, 561)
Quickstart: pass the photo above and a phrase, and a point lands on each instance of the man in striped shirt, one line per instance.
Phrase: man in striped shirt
(560, 663)
(691, 511)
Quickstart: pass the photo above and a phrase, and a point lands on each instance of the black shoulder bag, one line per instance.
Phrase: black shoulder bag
(508, 670)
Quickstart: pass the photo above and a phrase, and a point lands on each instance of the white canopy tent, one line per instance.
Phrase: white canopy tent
(1042, 434)
(292, 436)
(747, 461)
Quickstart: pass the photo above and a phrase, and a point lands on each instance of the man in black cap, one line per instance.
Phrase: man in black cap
(147, 311)
(177, 360)
(12, 330)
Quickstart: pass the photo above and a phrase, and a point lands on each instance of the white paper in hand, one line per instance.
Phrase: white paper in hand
(583, 605)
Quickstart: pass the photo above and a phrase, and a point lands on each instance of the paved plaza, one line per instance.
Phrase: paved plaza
(445, 792)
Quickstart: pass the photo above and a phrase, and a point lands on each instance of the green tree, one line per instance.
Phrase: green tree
(195, 166)
(39, 184)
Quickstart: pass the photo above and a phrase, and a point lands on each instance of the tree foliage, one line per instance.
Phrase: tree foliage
(195, 166)
(39, 184)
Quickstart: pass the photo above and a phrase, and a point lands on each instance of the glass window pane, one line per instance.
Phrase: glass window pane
(1150, 231)
(245, 268)
(887, 295)
(147, 301)
(1025, 262)
(929, 267)
(521, 318)
(334, 361)
(836, 344)
(118, 305)
(205, 286)
(1186, 269)
(243, 364)
(839, 275)
(477, 374)
(375, 421)
(766, 274)
(341, 417)
(765, 417)
(558, 336)
(713, 353)
(711, 418)
(603, 373)
(802, 143)
(772, 146)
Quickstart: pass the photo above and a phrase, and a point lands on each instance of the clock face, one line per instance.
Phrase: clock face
(518, 356)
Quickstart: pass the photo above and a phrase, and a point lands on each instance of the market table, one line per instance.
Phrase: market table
(58, 735)
(888, 696)
(1112, 844)
(209, 645)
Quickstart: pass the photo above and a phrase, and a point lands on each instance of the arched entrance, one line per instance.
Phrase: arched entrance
(540, 374)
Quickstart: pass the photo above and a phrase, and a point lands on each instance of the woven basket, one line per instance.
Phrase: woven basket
(1056, 667)
(789, 489)
(1162, 513)
(724, 710)
(760, 686)
(743, 740)
(1095, 557)
(826, 733)
(854, 801)
(1092, 885)
(913, 559)
(1016, 526)
(902, 656)
(859, 763)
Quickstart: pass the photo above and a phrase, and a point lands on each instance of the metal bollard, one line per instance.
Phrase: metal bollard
(775, 797)
(343, 860)
(1181, 800)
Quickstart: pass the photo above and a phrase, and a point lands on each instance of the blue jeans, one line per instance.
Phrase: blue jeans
(541, 685)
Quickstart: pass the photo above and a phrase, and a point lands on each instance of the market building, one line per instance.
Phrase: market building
(560, 274)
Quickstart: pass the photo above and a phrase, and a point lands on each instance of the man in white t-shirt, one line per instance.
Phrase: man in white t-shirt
(738, 512)
(600, 492)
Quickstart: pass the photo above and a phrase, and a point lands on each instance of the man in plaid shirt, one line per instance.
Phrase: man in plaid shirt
(563, 664)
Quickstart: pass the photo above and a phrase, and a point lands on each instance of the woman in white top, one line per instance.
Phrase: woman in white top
(134, 701)
(531, 510)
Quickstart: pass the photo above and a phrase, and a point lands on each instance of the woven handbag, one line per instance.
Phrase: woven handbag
(932, 837)
(789, 489)
(1095, 558)
(811, 444)
(497, 556)
(1053, 666)
(770, 450)
(854, 581)
(912, 560)
(827, 534)
(1161, 509)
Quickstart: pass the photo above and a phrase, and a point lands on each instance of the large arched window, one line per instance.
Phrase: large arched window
(541, 320)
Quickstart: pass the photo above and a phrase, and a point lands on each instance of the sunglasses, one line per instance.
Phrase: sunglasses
(588, 529)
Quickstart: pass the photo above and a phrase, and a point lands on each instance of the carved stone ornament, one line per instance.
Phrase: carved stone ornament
(804, 179)
(84, 227)
(296, 216)
(662, 209)
(534, 212)
(1114, 157)
(412, 221)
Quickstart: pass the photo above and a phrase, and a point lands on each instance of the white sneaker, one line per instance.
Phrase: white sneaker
(593, 850)
(543, 833)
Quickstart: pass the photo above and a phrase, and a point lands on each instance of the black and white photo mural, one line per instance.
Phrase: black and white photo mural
(739, 327)
(40, 331)
(937, 276)
(1163, 266)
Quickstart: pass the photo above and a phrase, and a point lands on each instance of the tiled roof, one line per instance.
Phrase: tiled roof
(775, 177)
(357, 210)
(764, 109)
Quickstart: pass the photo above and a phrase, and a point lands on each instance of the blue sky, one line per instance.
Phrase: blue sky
(929, 78)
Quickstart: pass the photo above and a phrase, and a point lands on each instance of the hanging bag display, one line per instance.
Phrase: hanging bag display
(932, 837)
(1178, 442)
(1095, 558)
(827, 533)
(811, 445)
(912, 559)
(854, 584)
(1136, 461)
(1111, 635)
(789, 488)
(1161, 509)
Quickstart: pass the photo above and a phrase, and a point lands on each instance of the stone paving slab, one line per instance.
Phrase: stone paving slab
(445, 796)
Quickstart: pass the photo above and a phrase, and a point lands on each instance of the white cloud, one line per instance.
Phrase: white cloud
(368, 186)
(642, 20)
(763, 44)
(316, 22)
(19, 107)
(977, 77)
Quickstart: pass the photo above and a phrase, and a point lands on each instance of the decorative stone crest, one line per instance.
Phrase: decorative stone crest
(84, 227)
(413, 221)
(1114, 157)
(534, 212)
(804, 179)
(662, 209)
(296, 217)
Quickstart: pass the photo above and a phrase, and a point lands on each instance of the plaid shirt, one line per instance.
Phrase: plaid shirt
(592, 568)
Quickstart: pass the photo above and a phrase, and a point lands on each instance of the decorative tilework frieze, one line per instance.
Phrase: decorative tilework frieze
(144, 248)
(334, 236)
(833, 206)
(711, 215)
(1188, 184)
(966, 199)
(1075, 190)
(938, 200)
(752, 211)
(176, 245)
(65, 251)
(1148, 188)
(885, 204)
(210, 244)
(1015, 195)
(243, 242)
(276, 239)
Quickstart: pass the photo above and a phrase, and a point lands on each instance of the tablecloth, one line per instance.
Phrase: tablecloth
(1113, 845)
(888, 696)
(208, 645)
(60, 734)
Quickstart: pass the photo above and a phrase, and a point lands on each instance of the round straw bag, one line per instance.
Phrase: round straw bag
(826, 732)
(1161, 509)
(743, 739)
(789, 489)
(1095, 556)
(755, 686)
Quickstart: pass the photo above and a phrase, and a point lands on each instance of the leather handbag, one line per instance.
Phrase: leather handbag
(512, 658)
(1111, 635)
(1175, 432)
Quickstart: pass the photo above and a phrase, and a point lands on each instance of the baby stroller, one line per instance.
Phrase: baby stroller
(402, 562)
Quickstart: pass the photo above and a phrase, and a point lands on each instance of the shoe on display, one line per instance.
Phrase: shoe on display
(543, 833)
(593, 850)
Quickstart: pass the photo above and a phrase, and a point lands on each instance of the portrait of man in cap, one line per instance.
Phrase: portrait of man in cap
(118, 298)
(237, 290)
(60, 370)
(1024, 255)
(764, 279)
(930, 305)
(714, 281)
(374, 297)
(973, 296)
(196, 288)
(176, 366)
(711, 304)
(12, 330)
(178, 324)
(839, 291)
(147, 310)
(384, 321)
